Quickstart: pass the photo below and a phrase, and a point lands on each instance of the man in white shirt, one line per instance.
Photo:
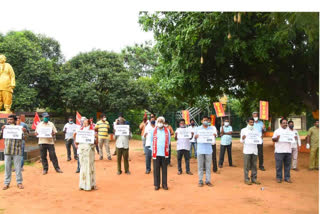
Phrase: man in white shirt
(294, 146)
(282, 151)
(250, 154)
(183, 147)
(69, 129)
(147, 134)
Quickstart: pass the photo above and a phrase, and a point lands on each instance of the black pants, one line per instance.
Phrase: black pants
(169, 159)
(283, 159)
(260, 155)
(186, 154)
(70, 143)
(160, 162)
(222, 152)
(214, 158)
(52, 154)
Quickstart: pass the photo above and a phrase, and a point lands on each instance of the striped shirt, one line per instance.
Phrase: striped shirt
(103, 128)
(12, 146)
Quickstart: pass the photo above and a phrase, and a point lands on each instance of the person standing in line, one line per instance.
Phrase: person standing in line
(226, 143)
(69, 129)
(282, 152)
(46, 144)
(102, 127)
(260, 127)
(147, 134)
(160, 138)
(193, 141)
(183, 146)
(294, 146)
(250, 155)
(24, 138)
(313, 141)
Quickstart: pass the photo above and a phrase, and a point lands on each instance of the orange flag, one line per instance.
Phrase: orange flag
(186, 116)
(213, 119)
(36, 121)
(219, 109)
(264, 110)
(78, 119)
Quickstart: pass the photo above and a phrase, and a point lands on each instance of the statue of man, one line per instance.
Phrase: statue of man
(7, 84)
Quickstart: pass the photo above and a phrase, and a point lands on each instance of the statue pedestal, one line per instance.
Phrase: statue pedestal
(3, 121)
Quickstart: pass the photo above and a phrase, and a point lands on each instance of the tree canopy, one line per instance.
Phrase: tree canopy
(249, 56)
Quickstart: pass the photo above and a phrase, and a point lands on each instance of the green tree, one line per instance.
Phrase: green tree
(252, 56)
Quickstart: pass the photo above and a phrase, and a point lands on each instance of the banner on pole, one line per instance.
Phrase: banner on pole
(213, 119)
(264, 110)
(219, 109)
(186, 116)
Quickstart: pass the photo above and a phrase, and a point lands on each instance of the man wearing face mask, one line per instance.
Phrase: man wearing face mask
(147, 134)
(69, 129)
(282, 152)
(226, 138)
(160, 138)
(102, 127)
(250, 153)
(193, 141)
(259, 126)
(294, 146)
(313, 141)
(47, 144)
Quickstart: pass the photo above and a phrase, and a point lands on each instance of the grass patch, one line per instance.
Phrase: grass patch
(26, 163)
(303, 133)
(2, 168)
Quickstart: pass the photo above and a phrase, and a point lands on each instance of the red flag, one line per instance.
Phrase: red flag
(264, 110)
(36, 121)
(145, 115)
(219, 109)
(78, 119)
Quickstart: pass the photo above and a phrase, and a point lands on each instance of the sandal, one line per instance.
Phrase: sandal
(5, 187)
(20, 186)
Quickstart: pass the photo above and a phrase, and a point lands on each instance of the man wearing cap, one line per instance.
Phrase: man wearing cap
(47, 144)
(259, 126)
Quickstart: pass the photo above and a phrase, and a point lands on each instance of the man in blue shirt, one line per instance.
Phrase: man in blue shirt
(259, 126)
(204, 150)
(226, 142)
(160, 141)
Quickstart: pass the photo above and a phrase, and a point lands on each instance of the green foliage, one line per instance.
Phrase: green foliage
(268, 56)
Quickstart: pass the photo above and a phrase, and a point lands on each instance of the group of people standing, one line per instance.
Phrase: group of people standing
(156, 137)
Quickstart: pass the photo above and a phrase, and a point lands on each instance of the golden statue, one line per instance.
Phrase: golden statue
(7, 84)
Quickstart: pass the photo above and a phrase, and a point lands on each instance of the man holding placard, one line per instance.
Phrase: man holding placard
(205, 136)
(69, 129)
(123, 135)
(283, 139)
(183, 136)
(250, 138)
(260, 127)
(12, 135)
(46, 131)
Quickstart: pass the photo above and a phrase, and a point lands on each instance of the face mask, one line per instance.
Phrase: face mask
(46, 119)
(182, 126)
(70, 121)
(226, 123)
(192, 124)
(166, 125)
(104, 119)
(205, 123)
(160, 125)
(250, 127)
(255, 118)
(153, 122)
(291, 126)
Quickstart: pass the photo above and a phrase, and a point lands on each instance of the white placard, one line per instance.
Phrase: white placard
(287, 136)
(12, 132)
(206, 136)
(122, 130)
(44, 132)
(85, 136)
(253, 137)
(184, 133)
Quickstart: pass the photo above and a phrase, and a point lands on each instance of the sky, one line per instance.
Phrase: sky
(84, 25)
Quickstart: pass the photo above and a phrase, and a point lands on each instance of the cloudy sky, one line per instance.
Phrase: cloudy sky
(83, 25)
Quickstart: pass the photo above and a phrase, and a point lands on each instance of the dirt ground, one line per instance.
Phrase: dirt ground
(59, 193)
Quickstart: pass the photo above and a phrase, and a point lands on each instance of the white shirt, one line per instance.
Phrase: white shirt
(215, 131)
(281, 147)
(298, 141)
(193, 129)
(147, 132)
(248, 148)
(70, 128)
